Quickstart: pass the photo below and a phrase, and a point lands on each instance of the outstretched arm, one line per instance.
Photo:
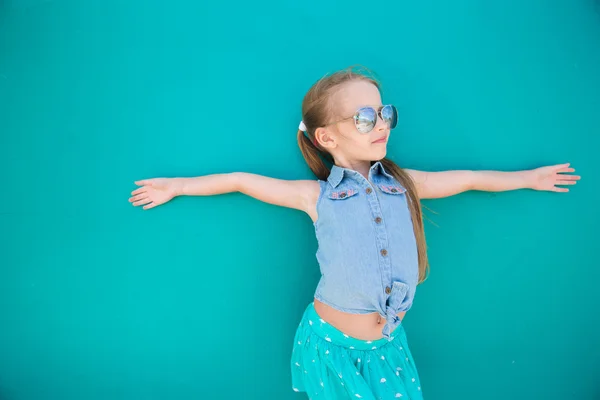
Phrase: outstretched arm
(298, 194)
(433, 185)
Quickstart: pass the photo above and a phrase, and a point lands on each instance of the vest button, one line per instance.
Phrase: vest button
(343, 195)
(378, 220)
(394, 190)
(369, 190)
(388, 290)
(384, 252)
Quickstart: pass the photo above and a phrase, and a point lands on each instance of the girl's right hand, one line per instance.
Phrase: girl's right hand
(154, 192)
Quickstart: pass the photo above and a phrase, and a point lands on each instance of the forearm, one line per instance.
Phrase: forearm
(499, 181)
(434, 185)
(207, 185)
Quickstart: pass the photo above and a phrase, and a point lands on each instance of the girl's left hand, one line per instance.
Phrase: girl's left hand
(546, 178)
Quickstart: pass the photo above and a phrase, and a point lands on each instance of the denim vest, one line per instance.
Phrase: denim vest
(367, 250)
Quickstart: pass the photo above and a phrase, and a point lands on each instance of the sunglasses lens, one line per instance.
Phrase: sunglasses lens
(390, 115)
(365, 120)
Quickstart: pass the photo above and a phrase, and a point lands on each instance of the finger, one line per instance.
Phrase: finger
(560, 190)
(569, 177)
(149, 206)
(566, 170)
(562, 182)
(144, 182)
(559, 166)
(141, 202)
(139, 197)
(139, 190)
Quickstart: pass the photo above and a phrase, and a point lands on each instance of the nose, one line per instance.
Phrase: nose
(380, 125)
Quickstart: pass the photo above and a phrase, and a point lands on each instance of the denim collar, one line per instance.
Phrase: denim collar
(337, 173)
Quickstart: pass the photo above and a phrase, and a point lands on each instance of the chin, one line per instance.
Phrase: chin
(380, 154)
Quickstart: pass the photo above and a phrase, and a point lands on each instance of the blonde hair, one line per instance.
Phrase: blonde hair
(317, 111)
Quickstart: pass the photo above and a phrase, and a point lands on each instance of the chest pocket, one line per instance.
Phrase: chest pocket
(342, 193)
(391, 189)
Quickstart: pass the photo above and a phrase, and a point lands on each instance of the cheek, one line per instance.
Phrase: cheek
(358, 141)
(363, 147)
(355, 141)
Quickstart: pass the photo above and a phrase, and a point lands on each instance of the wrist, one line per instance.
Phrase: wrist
(529, 179)
(178, 186)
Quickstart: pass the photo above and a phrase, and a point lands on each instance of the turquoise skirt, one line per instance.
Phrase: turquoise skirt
(328, 364)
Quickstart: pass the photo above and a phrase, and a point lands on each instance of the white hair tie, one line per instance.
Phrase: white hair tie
(302, 127)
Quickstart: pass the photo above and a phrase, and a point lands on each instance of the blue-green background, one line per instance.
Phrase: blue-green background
(200, 298)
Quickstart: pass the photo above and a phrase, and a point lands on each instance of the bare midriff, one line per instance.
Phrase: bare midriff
(360, 326)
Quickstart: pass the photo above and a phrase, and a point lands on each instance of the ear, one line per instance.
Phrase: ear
(325, 138)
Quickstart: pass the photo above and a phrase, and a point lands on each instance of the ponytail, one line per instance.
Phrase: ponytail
(313, 156)
(414, 206)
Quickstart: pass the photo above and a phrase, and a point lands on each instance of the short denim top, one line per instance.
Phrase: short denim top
(367, 249)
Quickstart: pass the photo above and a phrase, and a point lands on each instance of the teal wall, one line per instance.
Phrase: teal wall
(199, 299)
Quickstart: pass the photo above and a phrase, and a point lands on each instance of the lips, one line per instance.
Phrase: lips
(381, 140)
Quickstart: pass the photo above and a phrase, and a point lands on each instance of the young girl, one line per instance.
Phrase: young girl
(366, 210)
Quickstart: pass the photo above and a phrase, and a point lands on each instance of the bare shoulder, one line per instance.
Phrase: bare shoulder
(313, 189)
(418, 177)
(310, 191)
